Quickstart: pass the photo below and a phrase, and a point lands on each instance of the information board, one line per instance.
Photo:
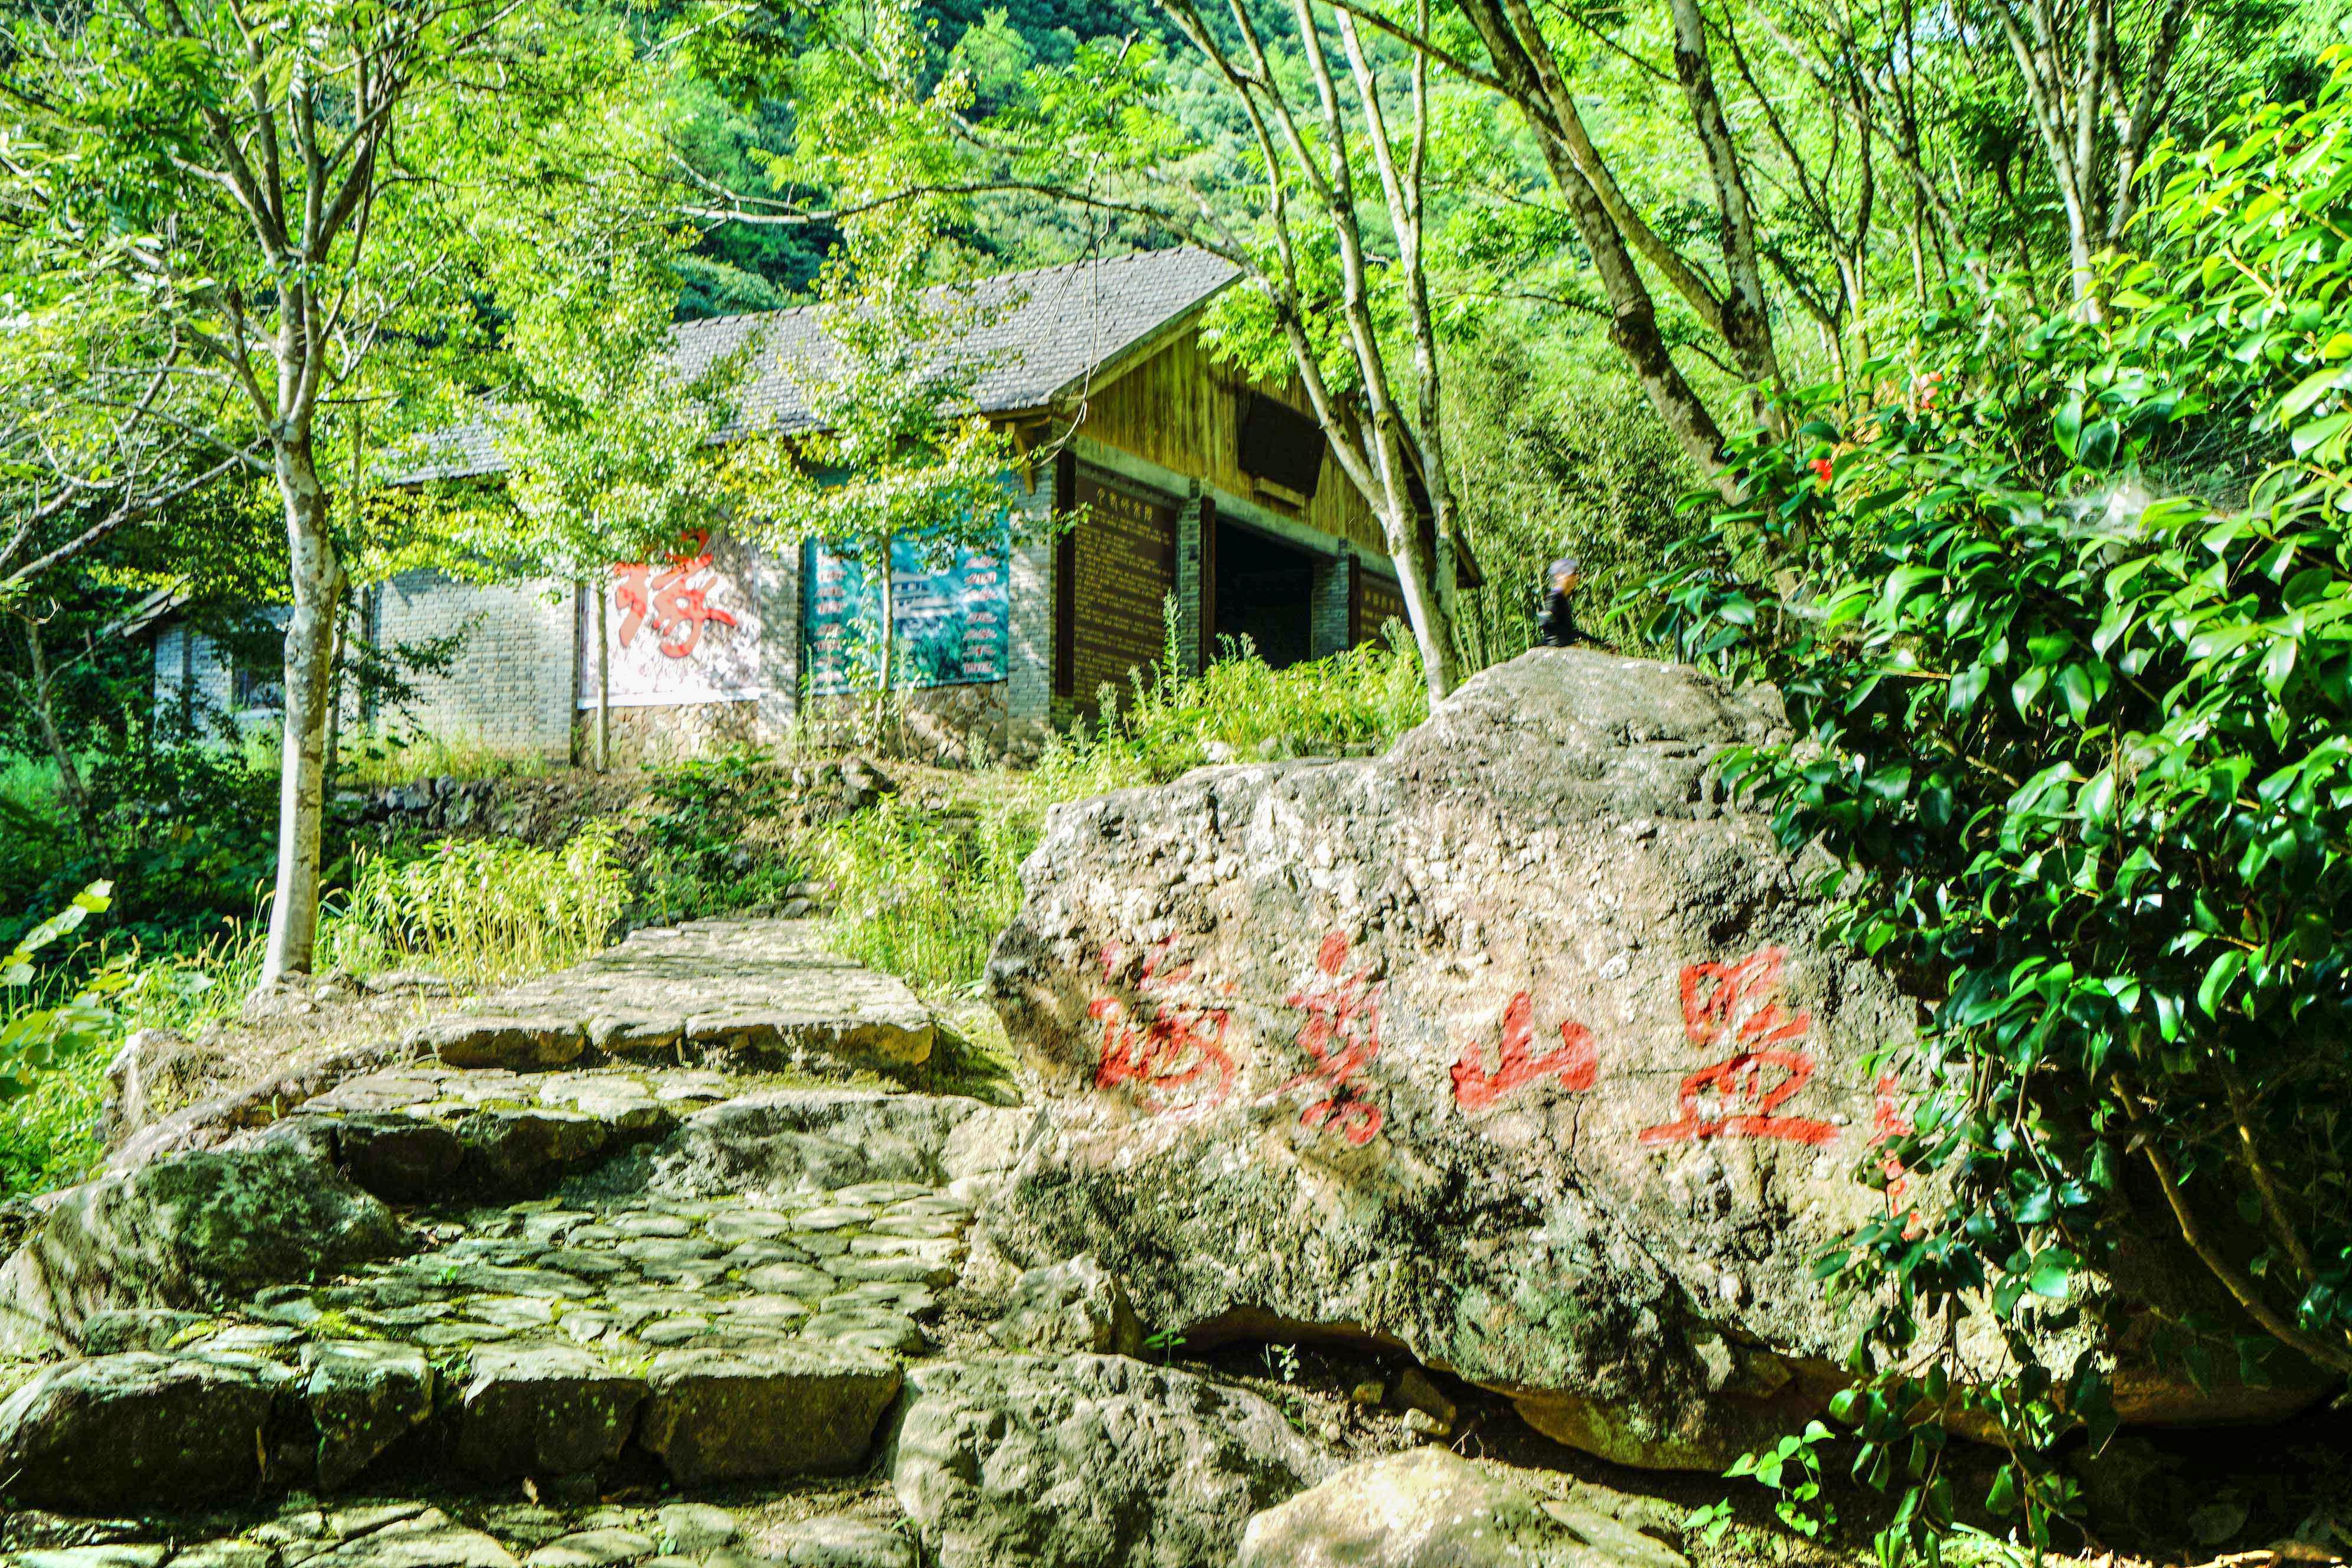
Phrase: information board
(1124, 568)
(1379, 600)
(950, 611)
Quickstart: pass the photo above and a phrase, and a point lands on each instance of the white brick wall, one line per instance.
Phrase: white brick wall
(195, 680)
(511, 688)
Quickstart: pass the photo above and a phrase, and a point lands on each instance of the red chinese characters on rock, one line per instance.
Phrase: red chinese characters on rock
(1342, 1035)
(675, 599)
(1577, 1062)
(1739, 1006)
(1175, 1056)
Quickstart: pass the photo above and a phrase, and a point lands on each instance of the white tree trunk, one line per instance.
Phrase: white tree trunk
(302, 783)
(603, 684)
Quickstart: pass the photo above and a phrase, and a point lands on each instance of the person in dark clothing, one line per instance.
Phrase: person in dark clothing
(1556, 625)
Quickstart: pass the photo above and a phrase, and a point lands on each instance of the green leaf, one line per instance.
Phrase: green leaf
(2215, 989)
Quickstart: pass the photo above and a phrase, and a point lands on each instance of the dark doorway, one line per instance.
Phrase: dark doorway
(1265, 591)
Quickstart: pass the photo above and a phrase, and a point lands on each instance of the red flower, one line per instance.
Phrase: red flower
(1821, 467)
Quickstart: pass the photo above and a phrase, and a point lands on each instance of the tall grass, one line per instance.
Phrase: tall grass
(398, 757)
(480, 911)
(51, 1134)
(921, 895)
(1238, 709)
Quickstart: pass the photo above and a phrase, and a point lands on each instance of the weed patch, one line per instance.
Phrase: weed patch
(480, 911)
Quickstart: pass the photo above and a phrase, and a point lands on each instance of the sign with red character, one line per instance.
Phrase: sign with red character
(1576, 1063)
(686, 629)
(1171, 1049)
(1341, 1037)
(1737, 1006)
(675, 599)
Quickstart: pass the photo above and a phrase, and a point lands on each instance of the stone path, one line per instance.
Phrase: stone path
(743, 992)
(630, 1251)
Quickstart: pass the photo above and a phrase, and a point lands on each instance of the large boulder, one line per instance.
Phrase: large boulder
(1520, 1047)
(187, 1230)
(1433, 1509)
(1087, 1461)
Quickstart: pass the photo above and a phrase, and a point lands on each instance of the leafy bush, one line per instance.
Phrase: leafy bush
(2086, 753)
(714, 838)
(43, 1032)
(1238, 708)
(185, 832)
(479, 911)
(922, 895)
(60, 1025)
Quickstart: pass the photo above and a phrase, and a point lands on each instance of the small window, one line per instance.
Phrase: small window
(1280, 444)
(256, 687)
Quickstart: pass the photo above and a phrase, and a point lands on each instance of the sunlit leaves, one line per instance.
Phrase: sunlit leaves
(2080, 747)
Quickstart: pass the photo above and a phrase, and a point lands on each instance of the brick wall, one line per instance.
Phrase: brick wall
(510, 689)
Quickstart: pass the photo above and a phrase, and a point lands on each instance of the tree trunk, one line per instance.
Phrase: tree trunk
(603, 683)
(69, 776)
(1432, 632)
(1747, 322)
(301, 781)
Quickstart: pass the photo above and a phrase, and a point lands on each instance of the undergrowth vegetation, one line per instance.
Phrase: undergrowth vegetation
(922, 894)
(479, 911)
(2062, 623)
(1237, 710)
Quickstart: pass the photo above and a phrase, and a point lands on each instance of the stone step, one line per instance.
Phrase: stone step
(143, 1429)
(748, 994)
(724, 1337)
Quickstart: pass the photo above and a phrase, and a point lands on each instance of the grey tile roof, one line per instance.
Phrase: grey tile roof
(1040, 332)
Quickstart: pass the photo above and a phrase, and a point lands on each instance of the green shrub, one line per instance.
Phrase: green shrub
(1238, 709)
(61, 1025)
(2086, 751)
(714, 839)
(922, 895)
(480, 911)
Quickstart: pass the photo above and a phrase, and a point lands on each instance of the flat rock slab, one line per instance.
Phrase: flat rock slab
(804, 1409)
(121, 1430)
(759, 992)
(544, 1410)
(1088, 1460)
(1432, 1506)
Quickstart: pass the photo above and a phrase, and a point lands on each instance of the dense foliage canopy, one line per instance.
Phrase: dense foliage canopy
(2061, 608)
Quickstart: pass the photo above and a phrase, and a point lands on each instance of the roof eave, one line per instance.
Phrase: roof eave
(1125, 358)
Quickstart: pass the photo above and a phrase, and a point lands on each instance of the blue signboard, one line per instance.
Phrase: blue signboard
(951, 614)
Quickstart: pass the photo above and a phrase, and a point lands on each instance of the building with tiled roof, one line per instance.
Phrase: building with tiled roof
(1192, 487)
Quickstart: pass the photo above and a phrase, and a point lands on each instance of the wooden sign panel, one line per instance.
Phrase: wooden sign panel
(1123, 567)
(1377, 601)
